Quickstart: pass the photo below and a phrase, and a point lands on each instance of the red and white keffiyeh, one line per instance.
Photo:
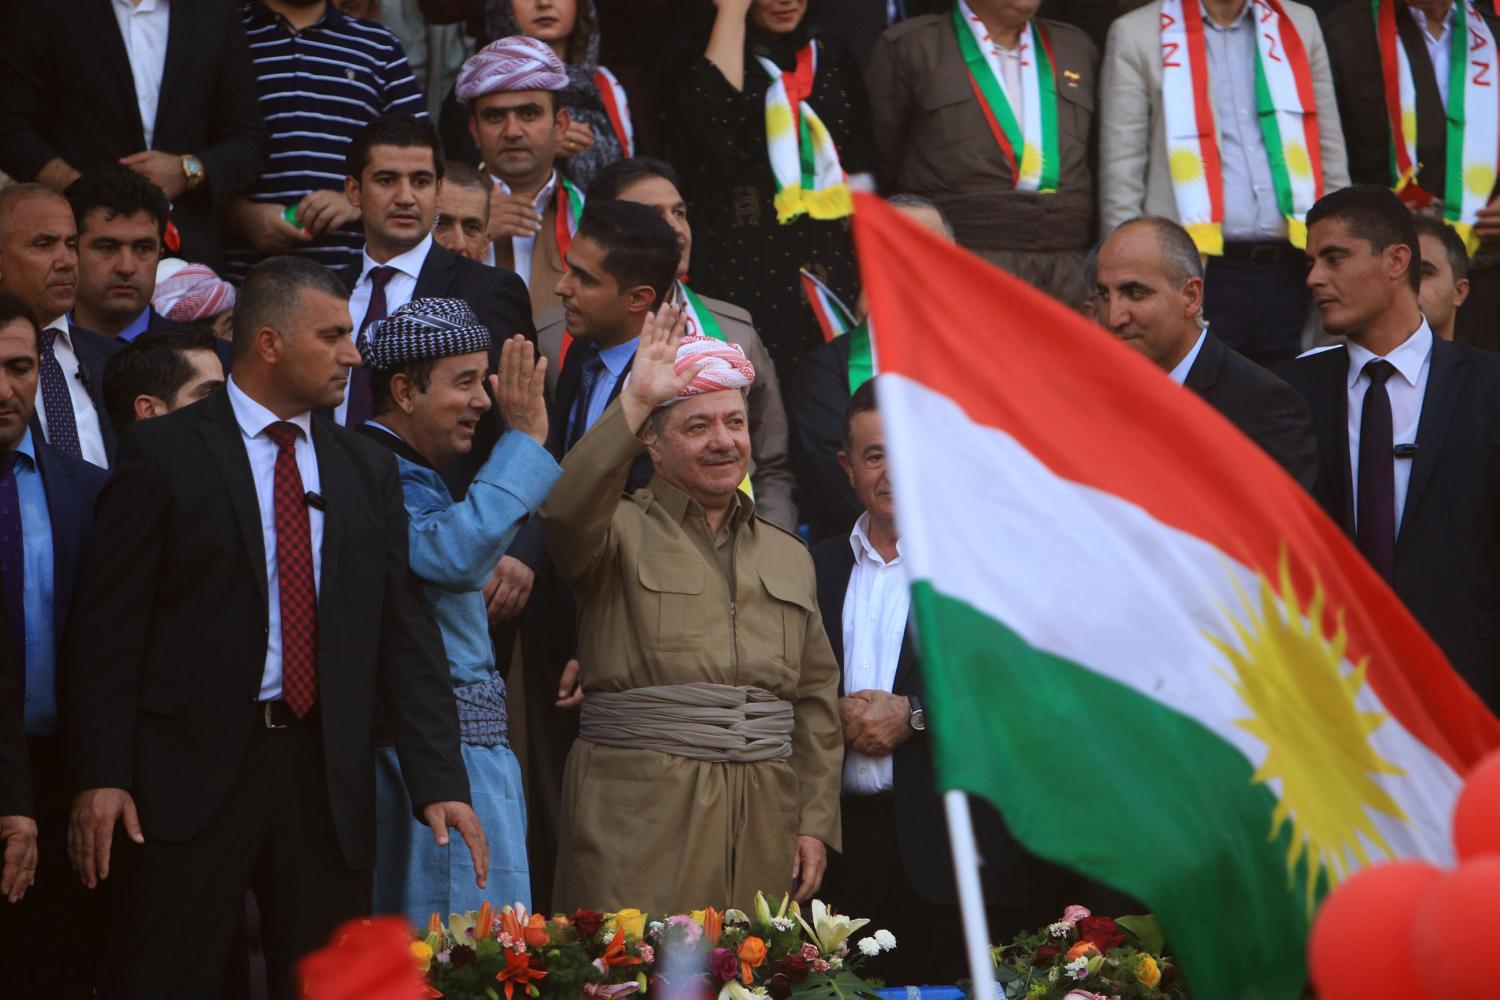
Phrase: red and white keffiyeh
(510, 64)
(190, 293)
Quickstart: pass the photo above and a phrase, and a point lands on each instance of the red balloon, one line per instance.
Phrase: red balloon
(1476, 817)
(1360, 942)
(1454, 928)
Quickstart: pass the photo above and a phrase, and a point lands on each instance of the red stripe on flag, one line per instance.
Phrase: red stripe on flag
(1099, 414)
(1296, 53)
(606, 89)
(1213, 168)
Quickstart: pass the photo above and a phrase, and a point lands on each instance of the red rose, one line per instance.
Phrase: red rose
(794, 967)
(1102, 932)
(722, 964)
(780, 987)
(366, 960)
(588, 922)
(1045, 954)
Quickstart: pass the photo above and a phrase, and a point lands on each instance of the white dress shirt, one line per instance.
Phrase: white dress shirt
(522, 247)
(143, 28)
(253, 419)
(1439, 49)
(399, 289)
(1406, 388)
(1180, 373)
(875, 611)
(90, 434)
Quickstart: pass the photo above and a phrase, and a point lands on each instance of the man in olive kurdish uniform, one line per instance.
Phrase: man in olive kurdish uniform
(710, 749)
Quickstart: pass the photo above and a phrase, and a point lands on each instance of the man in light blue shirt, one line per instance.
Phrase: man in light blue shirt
(428, 364)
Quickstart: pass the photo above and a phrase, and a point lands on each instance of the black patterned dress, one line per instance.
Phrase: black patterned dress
(717, 141)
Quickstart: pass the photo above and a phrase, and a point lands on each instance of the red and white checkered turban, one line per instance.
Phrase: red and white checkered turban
(510, 64)
(727, 367)
(189, 293)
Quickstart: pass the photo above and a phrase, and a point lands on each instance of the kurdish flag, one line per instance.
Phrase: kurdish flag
(1141, 640)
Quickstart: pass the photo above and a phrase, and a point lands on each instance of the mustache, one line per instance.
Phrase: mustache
(725, 455)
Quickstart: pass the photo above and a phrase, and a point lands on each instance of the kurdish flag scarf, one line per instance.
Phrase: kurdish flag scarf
(1473, 120)
(569, 211)
(837, 320)
(617, 106)
(1029, 144)
(1288, 120)
(804, 160)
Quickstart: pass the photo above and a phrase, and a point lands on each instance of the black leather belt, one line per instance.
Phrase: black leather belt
(277, 714)
(1263, 254)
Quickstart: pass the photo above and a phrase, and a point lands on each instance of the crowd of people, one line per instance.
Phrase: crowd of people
(437, 466)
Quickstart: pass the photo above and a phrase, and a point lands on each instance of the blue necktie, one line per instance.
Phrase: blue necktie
(1375, 510)
(57, 401)
(593, 367)
(13, 559)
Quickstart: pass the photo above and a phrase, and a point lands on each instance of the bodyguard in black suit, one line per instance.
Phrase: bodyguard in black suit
(247, 602)
(68, 105)
(1420, 490)
(50, 497)
(1149, 294)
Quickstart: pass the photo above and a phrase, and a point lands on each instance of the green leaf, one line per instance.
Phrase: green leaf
(843, 985)
(1146, 931)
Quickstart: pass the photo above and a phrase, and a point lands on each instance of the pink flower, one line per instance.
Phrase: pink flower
(818, 965)
(810, 952)
(1082, 994)
(1075, 913)
(648, 954)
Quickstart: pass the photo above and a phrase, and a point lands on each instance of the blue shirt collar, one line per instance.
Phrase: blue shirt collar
(27, 447)
(618, 357)
(136, 327)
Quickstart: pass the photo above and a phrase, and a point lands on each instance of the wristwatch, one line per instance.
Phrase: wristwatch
(918, 717)
(192, 170)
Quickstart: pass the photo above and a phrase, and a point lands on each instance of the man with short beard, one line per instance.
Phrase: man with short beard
(710, 701)
(46, 515)
(121, 219)
(463, 212)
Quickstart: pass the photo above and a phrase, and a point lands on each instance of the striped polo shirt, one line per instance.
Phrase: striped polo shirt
(317, 88)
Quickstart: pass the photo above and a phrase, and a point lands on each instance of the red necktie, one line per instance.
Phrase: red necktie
(294, 571)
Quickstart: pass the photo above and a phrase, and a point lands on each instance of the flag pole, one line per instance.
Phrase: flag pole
(970, 895)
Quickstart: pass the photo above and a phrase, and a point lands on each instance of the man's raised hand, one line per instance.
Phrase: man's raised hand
(519, 388)
(654, 378)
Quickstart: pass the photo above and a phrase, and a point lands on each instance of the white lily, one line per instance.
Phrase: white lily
(763, 908)
(828, 930)
(734, 990)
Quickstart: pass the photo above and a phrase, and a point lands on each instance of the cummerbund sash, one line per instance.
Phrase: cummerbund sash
(483, 720)
(713, 722)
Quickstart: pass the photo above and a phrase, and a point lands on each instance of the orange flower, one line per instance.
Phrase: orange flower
(518, 971)
(528, 930)
(434, 924)
(713, 926)
(484, 924)
(751, 954)
(614, 952)
(1083, 949)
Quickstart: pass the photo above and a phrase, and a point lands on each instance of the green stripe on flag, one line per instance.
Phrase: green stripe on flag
(1270, 130)
(1100, 777)
(861, 355)
(1048, 82)
(994, 96)
(1458, 65)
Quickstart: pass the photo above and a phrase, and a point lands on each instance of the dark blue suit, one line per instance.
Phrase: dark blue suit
(34, 960)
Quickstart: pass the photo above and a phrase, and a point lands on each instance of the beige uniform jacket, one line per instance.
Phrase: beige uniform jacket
(771, 467)
(546, 262)
(1134, 176)
(659, 603)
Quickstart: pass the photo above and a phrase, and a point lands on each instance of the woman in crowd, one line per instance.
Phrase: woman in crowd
(767, 119)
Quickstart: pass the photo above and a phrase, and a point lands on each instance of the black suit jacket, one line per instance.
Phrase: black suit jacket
(168, 644)
(71, 486)
(921, 823)
(565, 397)
(1354, 57)
(1447, 567)
(1264, 408)
(66, 90)
(815, 407)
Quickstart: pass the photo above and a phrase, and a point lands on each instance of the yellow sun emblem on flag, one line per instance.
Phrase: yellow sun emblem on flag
(1302, 703)
(1185, 165)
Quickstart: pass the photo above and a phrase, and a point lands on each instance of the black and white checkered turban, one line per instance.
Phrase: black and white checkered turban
(421, 330)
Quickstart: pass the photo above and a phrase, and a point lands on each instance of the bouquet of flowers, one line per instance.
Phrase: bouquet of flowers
(1084, 957)
(703, 955)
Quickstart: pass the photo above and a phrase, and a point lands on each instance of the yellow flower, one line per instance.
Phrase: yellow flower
(1147, 972)
(421, 952)
(632, 921)
(698, 916)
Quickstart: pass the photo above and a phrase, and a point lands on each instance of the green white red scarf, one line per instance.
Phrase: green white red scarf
(565, 226)
(1029, 144)
(617, 107)
(1288, 120)
(837, 320)
(1472, 120)
(804, 160)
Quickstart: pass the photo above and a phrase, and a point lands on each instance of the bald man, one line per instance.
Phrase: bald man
(1148, 292)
